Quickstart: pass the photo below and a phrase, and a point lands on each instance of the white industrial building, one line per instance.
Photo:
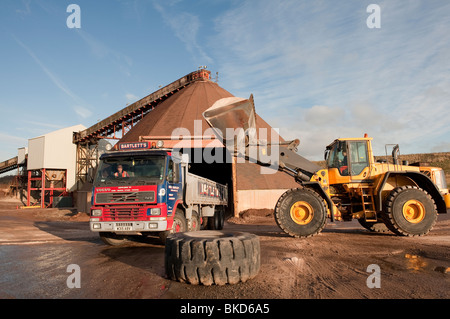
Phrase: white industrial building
(55, 151)
(46, 168)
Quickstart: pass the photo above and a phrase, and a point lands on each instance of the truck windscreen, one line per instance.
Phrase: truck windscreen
(130, 170)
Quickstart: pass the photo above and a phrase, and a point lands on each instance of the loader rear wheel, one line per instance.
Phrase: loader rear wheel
(210, 257)
(301, 212)
(410, 211)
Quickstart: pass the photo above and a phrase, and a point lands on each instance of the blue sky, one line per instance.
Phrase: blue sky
(316, 70)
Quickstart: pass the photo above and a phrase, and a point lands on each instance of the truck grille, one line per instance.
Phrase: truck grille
(124, 213)
(125, 197)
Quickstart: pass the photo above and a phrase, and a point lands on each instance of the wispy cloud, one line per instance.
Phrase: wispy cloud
(7, 138)
(131, 97)
(26, 9)
(42, 124)
(58, 82)
(102, 51)
(319, 73)
(185, 26)
(82, 111)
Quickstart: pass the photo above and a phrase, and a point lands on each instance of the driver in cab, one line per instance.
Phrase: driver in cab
(120, 172)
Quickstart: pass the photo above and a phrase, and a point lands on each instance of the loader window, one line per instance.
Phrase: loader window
(358, 157)
(337, 157)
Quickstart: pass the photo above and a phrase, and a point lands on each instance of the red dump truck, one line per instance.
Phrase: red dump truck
(143, 188)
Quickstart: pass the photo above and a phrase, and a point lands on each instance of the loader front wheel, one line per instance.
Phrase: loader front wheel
(301, 212)
(410, 211)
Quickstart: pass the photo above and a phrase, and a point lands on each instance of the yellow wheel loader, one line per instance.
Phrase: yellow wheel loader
(382, 195)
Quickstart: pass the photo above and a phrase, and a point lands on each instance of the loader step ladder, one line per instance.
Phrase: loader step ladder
(368, 204)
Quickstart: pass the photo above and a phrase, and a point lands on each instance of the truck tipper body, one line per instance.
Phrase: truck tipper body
(140, 189)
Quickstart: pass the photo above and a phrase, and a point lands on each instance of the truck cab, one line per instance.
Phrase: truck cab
(140, 189)
(135, 191)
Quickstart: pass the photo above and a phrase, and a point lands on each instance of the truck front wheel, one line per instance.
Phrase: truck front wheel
(179, 222)
(113, 239)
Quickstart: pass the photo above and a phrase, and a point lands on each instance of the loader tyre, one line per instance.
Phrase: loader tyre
(409, 211)
(301, 212)
(210, 257)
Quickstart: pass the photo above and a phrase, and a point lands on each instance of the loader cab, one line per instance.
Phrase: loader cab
(349, 159)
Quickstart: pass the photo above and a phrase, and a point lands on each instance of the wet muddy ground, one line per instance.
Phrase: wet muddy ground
(38, 246)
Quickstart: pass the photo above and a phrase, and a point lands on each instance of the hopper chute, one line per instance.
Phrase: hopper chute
(228, 115)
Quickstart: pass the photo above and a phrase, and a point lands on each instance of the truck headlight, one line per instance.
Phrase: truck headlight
(96, 212)
(154, 211)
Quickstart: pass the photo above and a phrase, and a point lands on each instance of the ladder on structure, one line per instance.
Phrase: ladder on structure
(368, 204)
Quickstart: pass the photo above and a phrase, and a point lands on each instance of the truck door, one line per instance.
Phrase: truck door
(174, 188)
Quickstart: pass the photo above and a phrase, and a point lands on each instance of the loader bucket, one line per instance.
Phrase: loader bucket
(232, 113)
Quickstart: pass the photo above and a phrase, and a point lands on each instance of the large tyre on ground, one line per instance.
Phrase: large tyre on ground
(301, 212)
(410, 211)
(210, 257)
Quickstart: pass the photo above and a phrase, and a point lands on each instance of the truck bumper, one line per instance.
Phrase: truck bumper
(128, 226)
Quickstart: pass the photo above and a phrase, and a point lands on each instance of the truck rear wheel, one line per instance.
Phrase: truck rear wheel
(301, 212)
(216, 222)
(410, 211)
(212, 257)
